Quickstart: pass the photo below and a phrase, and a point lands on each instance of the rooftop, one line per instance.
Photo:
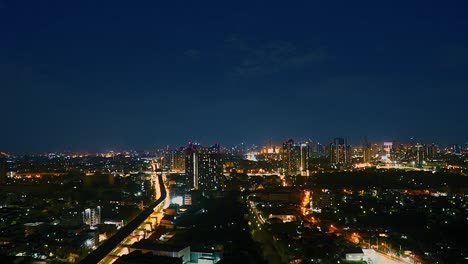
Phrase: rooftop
(354, 250)
(151, 245)
(139, 257)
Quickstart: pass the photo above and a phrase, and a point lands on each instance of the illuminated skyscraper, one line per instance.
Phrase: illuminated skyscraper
(387, 147)
(210, 168)
(367, 152)
(3, 168)
(191, 165)
(420, 155)
(431, 151)
(204, 168)
(304, 160)
(178, 159)
(295, 158)
(287, 158)
(340, 152)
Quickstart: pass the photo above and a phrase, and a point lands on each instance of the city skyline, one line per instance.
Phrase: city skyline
(218, 132)
(264, 143)
(304, 193)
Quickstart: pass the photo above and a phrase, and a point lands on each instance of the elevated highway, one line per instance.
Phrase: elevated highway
(113, 242)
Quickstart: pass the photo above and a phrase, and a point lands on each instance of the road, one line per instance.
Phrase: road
(261, 235)
(374, 257)
(112, 245)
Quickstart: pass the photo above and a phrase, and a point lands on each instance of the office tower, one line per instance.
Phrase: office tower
(387, 147)
(286, 157)
(312, 147)
(290, 157)
(320, 149)
(92, 216)
(165, 158)
(431, 151)
(398, 151)
(203, 167)
(191, 165)
(340, 152)
(376, 150)
(178, 159)
(367, 152)
(419, 156)
(210, 168)
(304, 160)
(3, 168)
(295, 158)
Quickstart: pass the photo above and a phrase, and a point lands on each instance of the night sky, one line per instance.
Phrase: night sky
(100, 75)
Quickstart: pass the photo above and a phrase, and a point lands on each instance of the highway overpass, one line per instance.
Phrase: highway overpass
(105, 248)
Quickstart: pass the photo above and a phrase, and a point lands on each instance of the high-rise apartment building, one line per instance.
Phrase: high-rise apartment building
(287, 158)
(295, 158)
(3, 168)
(420, 155)
(304, 159)
(367, 153)
(92, 216)
(387, 147)
(431, 151)
(191, 165)
(178, 159)
(340, 151)
(203, 167)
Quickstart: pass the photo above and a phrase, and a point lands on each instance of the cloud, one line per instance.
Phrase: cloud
(272, 57)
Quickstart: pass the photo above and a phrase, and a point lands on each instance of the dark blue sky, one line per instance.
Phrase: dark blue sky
(138, 74)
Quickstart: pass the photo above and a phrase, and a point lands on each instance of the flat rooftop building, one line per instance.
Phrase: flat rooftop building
(175, 251)
(137, 257)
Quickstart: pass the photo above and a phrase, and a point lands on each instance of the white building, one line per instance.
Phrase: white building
(92, 216)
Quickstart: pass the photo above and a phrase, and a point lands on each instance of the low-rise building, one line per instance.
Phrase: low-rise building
(175, 251)
(138, 257)
(354, 254)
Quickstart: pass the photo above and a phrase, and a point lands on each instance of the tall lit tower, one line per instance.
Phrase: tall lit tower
(388, 147)
(367, 152)
(3, 168)
(203, 167)
(191, 164)
(304, 160)
(210, 168)
(178, 159)
(431, 151)
(340, 151)
(419, 155)
(287, 157)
